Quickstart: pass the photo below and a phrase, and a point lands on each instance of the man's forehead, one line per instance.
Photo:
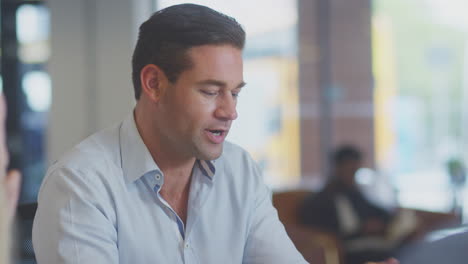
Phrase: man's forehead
(215, 58)
(220, 83)
(211, 48)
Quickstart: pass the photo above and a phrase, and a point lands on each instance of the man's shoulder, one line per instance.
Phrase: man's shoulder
(92, 167)
(96, 151)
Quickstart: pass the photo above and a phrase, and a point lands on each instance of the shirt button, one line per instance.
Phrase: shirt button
(187, 245)
(158, 176)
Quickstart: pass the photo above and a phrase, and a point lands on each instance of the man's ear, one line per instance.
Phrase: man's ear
(153, 81)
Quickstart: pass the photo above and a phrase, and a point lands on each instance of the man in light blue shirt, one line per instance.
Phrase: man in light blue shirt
(163, 186)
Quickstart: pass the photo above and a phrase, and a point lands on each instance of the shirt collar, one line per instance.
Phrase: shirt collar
(136, 158)
(207, 168)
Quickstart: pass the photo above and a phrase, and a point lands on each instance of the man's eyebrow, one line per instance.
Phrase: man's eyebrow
(242, 84)
(212, 82)
(218, 83)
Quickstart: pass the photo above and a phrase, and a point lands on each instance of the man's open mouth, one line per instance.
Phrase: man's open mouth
(217, 132)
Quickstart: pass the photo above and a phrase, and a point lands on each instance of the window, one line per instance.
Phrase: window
(421, 95)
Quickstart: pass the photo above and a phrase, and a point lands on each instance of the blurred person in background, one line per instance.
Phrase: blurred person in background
(9, 191)
(342, 208)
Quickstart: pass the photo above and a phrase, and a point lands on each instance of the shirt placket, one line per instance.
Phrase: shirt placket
(157, 181)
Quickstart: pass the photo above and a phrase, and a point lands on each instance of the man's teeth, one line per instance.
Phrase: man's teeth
(216, 133)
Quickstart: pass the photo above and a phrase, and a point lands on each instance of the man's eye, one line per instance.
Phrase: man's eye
(235, 95)
(209, 93)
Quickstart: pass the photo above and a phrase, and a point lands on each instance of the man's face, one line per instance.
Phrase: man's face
(198, 109)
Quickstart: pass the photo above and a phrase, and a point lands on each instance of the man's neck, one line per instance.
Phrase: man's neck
(176, 178)
(176, 187)
(177, 170)
(169, 160)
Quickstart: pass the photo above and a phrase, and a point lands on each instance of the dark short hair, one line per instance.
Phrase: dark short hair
(346, 153)
(168, 34)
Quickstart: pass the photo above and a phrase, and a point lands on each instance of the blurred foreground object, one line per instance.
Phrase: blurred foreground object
(457, 173)
(9, 190)
(448, 249)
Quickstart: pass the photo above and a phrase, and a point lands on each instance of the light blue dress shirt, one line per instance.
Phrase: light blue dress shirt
(100, 204)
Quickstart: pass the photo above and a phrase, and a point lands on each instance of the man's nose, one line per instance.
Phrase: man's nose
(226, 109)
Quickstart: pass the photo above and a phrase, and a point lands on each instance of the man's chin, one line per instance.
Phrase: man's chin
(211, 153)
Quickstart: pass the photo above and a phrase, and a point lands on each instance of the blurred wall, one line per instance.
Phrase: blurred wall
(335, 81)
(90, 66)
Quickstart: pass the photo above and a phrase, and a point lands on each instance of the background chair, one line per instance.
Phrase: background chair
(321, 247)
(316, 246)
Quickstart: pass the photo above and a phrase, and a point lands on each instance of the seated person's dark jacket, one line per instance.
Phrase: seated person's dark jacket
(320, 211)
